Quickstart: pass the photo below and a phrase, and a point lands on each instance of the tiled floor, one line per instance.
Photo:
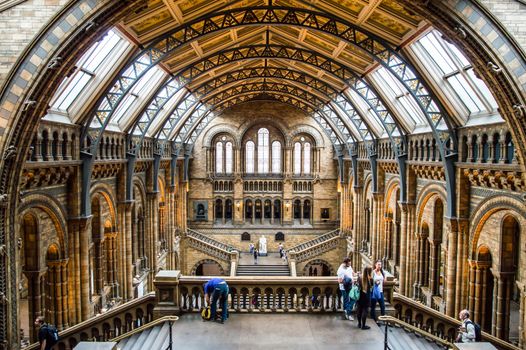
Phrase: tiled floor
(275, 331)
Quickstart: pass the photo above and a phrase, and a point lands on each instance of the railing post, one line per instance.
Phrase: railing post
(167, 293)
(171, 340)
(234, 261)
(292, 263)
(386, 344)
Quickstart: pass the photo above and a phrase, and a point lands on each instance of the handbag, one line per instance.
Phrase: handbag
(376, 292)
(354, 293)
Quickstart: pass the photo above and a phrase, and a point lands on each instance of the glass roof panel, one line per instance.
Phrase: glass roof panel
(400, 98)
(451, 71)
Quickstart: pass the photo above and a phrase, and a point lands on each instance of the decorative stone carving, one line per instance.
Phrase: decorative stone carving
(10, 152)
(55, 63)
(28, 104)
(461, 32)
(520, 110)
(493, 67)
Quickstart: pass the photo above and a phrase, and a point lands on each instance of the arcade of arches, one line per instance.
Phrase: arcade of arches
(130, 130)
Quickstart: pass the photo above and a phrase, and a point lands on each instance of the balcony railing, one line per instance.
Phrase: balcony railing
(177, 294)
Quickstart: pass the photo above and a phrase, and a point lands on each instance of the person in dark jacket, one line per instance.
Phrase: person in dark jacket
(365, 283)
(218, 289)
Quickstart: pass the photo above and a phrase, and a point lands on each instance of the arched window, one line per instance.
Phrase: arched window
(263, 151)
(306, 158)
(276, 157)
(219, 157)
(249, 157)
(297, 158)
(228, 158)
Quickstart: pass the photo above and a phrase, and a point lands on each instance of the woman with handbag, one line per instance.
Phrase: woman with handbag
(378, 290)
(365, 284)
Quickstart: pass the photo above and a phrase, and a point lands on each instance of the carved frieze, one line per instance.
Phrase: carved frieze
(104, 170)
(497, 179)
(429, 171)
(45, 176)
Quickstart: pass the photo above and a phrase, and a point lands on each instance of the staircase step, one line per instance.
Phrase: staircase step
(139, 344)
(162, 336)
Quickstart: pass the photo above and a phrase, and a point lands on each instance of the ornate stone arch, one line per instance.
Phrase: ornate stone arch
(428, 192)
(391, 186)
(219, 129)
(207, 261)
(309, 130)
(316, 262)
(243, 128)
(53, 209)
(109, 195)
(486, 209)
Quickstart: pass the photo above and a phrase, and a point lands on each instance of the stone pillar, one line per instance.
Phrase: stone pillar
(472, 277)
(223, 219)
(272, 212)
(64, 291)
(125, 270)
(377, 232)
(301, 211)
(407, 216)
(152, 235)
(500, 309)
(522, 305)
(80, 228)
(451, 278)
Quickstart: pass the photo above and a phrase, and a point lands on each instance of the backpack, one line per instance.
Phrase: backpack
(478, 331)
(52, 335)
(354, 293)
(206, 313)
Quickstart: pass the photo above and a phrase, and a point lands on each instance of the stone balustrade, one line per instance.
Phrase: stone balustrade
(103, 327)
(177, 294)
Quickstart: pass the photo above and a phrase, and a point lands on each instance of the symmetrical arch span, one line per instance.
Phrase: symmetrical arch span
(486, 209)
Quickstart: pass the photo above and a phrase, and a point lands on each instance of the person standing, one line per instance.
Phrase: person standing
(377, 295)
(251, 248)
(365, 284)
(218, 289)
(345, 279)
(280, 249)
(466, 332)
(256, 253)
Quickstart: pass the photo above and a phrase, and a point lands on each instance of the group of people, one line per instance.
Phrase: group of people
(255, 252)
(370, 291)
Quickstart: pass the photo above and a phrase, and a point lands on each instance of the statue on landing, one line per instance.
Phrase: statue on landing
(262, 245)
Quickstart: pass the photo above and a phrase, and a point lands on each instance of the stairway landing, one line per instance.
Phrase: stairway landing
(245, 258)
(276, 332)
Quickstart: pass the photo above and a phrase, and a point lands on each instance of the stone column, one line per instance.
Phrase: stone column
(223, 219)
(125, 250)
(152, 235)
(522, 305)
(272, 211)
(301, 211)
(64, 291)
(80, 228)
(451, 278)
(472, 277)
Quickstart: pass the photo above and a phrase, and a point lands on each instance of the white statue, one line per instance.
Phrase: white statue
(262, 246)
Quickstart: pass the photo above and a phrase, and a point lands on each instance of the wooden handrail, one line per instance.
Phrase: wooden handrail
(144, 327)
(425, 334)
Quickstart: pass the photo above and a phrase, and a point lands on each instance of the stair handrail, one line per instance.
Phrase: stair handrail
(326, 236)
(68, 332)
(224, 252)
(146, 326)
(216, 243)
(405, 325)
(501, 344)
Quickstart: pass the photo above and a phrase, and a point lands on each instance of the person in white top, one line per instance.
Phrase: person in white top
(378, 290)
(466, 332)
(345, 279)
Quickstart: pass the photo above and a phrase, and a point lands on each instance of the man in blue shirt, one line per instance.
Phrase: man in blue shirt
(218, 288)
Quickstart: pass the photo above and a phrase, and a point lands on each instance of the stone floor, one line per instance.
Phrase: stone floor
(275, 331)
(245, 258)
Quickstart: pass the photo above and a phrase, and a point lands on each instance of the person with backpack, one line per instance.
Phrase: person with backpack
(469, 332)
(47, 334)
(345, 280)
